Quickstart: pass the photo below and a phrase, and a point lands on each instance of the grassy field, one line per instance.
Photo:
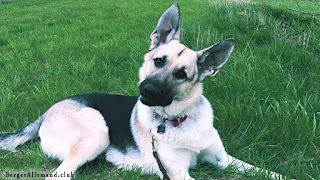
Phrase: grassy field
(266, 98)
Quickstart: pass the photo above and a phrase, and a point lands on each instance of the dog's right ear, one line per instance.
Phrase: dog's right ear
(211, 59)
(168, 27)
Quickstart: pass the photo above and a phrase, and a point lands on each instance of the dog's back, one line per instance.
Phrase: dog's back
(116, 110)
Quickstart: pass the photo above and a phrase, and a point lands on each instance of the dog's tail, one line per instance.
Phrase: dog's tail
(9, 141)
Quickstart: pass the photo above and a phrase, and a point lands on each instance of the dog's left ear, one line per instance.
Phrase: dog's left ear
(168, 27)
(211, 59)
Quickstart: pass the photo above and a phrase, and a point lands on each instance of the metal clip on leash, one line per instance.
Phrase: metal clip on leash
(155, 155)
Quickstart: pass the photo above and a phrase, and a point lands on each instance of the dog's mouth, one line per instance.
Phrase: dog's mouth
(147, 101)
(153, 101)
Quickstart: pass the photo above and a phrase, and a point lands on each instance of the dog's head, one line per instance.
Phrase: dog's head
(171, 71)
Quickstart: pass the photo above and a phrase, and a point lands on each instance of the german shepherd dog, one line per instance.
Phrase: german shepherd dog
(171, 111)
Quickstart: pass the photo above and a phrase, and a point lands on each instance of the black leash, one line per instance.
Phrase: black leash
(155, 155)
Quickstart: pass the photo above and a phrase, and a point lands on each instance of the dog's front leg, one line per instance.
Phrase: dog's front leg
(216, 155)
(176, 161)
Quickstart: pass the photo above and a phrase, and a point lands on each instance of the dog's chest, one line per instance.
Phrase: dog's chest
(194, 133)
(189, 134)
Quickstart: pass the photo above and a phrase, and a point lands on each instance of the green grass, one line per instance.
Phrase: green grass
(266, 98)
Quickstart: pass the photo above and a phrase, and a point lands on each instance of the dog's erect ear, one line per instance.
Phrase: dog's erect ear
(168, 27)
(211, 59)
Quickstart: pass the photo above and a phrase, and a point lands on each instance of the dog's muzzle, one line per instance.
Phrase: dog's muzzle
(154, 93)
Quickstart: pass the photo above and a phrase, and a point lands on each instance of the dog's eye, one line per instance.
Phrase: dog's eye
(160, 62)
(180, 74)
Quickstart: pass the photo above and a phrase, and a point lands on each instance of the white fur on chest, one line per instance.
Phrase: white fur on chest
(195, 133)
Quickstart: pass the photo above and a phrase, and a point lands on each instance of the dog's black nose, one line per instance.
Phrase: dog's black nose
(154, 93)
(151, 90)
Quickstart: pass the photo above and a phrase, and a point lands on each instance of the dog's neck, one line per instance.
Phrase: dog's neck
(175, 121)
(179, 108)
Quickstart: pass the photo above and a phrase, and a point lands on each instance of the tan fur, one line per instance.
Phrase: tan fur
(144, 134)
(74, 134)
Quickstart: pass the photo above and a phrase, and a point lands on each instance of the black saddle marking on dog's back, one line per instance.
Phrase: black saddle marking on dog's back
(116, 110)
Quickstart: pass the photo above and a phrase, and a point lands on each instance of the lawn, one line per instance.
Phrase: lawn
(266, 98)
